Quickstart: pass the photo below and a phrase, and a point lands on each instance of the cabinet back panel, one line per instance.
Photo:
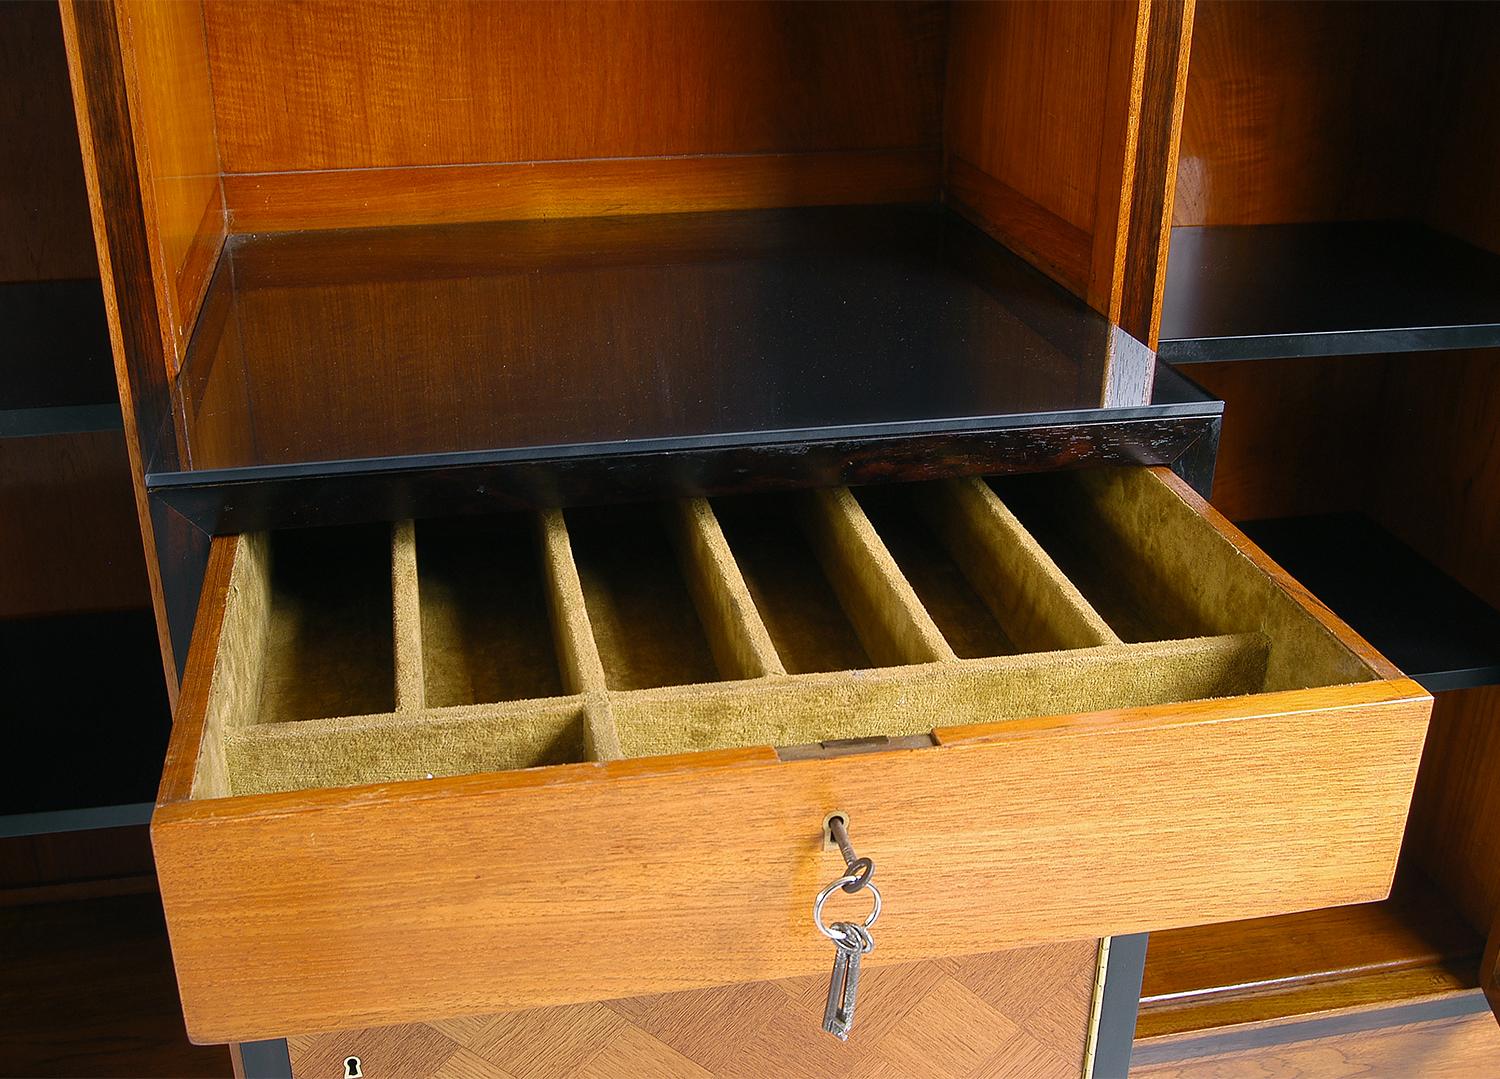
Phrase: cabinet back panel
(366, 85)
(44, 211)
(1337, 111)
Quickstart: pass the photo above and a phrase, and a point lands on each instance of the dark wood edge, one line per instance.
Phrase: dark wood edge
(1149, 229)
(96, 68)
(192, 705)
(234, 504)
(1444, 1006)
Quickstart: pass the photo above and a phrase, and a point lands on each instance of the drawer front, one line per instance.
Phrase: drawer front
(387, 902)
(1027, 1012)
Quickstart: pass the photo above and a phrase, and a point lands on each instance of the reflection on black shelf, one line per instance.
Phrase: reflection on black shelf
(436, 369)
(88, 718)
(1246, 292)
(1415, 615)
(565, 335)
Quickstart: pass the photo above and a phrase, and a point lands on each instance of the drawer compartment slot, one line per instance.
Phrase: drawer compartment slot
(328, 645)
(637, 599)
(486, 633)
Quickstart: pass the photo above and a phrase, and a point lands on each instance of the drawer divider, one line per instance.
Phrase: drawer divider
(737, 636)
(880, 602)
(577, 651)
(1011, 571)
(411, 682)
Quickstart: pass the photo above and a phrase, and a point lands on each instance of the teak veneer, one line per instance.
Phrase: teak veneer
(310, 855)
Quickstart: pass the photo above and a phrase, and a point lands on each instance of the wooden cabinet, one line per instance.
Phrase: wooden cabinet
(583, 446)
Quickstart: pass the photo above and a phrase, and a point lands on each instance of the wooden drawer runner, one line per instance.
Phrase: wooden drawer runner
(468, 767)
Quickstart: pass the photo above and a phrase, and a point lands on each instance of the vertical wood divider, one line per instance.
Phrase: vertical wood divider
(891, 622)
(738, 637)
(406, 603)
(1011, 571)
(578, 653)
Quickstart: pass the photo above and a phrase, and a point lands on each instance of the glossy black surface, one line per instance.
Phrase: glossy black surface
(355, 375)
(1263, 291)
(1415, 615)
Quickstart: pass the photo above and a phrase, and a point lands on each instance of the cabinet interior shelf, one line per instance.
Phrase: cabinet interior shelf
(56, 376)
(1252, 292)
(91, 721)
(1418, 617)
(521, 347)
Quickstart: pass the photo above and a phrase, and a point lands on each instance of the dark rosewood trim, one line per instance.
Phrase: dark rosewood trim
(393, 490)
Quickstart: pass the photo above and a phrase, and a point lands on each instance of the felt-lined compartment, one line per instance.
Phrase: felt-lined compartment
(329, 642)
(988, 584)
(801, 611)
(1156, 570)
(637, 599)
(485, 628)
(381, 654)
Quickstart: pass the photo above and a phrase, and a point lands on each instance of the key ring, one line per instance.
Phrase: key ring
(832, 932)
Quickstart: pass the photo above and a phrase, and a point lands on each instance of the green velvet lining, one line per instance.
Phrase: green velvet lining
(528, 641)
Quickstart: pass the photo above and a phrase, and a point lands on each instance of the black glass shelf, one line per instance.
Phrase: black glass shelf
(56, 373)
(399, 370)
(88, 721)
(1415, 615)
(1249, 292)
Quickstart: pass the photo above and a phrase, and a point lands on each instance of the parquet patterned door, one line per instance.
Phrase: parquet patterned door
(1008, 1015)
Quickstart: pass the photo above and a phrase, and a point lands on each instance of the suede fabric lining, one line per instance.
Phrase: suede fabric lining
(653, 640)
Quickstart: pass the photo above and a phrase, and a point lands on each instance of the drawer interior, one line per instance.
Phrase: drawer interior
(374, 654)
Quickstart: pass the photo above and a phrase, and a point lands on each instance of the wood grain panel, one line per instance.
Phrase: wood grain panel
(266, 202)
(96, 69)
(425, 895)
(44, 209)
(1020, 1013)
(1439, 491)
(69, 539)
(1206, 978)
(1042, 102)
(1139, 252)
(377, 85)
(1290, 431)
(1463, 195)
(171, 116)
(1463, 1048)
(1305, 111)
(86, 990)
(1455, 826)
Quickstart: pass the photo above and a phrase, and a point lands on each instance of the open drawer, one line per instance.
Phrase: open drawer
(470, 766)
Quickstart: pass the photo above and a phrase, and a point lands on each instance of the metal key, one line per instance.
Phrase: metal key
(851, 941)
(838, 1016)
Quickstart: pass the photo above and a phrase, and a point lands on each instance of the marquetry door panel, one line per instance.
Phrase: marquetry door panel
(1017, 1014)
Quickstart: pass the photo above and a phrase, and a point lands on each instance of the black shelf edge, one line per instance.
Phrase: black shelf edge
(1418, 617)
(45, 422)
(1254, 292)
(88, 720)
(92, 819)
